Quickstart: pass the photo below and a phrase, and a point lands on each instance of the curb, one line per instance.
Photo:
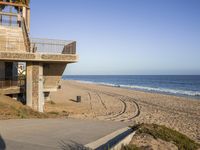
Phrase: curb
(113, 141)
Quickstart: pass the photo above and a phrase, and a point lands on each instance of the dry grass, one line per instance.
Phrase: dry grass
(12, 109)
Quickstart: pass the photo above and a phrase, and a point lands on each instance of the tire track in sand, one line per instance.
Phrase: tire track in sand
(125, 100)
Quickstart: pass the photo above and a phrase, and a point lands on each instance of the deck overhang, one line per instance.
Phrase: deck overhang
(38, 57)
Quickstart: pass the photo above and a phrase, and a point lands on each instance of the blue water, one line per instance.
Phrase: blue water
(177, 84)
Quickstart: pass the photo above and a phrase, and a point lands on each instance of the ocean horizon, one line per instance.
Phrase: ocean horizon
(179, 85)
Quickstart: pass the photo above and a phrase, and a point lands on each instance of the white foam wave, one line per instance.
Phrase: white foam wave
(87, 82)
(165, 90)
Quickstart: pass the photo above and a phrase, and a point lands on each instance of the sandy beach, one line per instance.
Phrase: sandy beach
(118, 104)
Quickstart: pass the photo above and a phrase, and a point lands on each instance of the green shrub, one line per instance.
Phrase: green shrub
(169, 135)
(53, 113)
(130, 147)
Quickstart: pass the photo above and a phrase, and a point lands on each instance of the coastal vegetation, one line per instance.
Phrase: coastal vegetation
(162, 133)
(12, 109)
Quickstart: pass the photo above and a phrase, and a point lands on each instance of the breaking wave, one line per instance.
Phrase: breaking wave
(152, 89)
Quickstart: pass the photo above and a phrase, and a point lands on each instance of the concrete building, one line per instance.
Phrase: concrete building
(30, 68)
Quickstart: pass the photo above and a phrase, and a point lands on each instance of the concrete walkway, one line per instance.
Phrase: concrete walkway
(48, 134)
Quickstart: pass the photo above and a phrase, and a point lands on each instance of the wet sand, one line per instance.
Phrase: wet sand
(118, 104)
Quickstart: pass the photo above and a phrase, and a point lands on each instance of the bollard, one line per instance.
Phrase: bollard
(59, 87)
(78, 99)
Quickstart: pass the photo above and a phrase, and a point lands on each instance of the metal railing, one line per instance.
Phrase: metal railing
(9, 19)
(38, 46)
(53, 46)
(34, 45)
(10, 83)
(8, 22)
(25, 35)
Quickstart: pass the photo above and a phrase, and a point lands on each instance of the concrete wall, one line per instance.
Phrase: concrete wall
(70, 48)
(11, 39)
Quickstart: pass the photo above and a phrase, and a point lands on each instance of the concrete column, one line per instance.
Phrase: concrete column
(29, 84)
(34, 86)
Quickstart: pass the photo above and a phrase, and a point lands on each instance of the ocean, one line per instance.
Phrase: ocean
(181, 85)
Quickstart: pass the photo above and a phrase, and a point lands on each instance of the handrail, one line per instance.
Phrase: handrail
(8, 14)
(26, 36)
(8, 22)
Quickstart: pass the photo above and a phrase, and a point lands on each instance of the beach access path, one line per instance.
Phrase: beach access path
(49, 134)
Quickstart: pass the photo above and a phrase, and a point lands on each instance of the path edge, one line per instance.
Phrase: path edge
(113, 141)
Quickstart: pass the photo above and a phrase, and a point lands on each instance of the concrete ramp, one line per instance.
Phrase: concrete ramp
(49, 134)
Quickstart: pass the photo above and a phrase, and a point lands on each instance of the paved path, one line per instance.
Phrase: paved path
(48, 134)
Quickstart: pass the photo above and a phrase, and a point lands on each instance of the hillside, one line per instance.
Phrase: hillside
(12, 109)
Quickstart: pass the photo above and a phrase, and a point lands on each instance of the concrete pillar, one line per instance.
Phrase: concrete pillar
(34, 86)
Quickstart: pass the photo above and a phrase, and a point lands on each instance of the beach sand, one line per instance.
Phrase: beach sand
(119, 104)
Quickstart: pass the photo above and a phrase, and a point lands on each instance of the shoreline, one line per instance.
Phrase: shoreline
(190, 97)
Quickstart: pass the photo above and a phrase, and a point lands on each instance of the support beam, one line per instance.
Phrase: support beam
(52, 75)
(38, 57)
(34, 86)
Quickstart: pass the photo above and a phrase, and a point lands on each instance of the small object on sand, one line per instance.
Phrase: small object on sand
(78, 99)
(59, 87)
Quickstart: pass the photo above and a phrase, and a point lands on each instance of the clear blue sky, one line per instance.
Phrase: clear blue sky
(124, 36)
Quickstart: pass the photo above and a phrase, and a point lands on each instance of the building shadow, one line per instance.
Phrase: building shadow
(72, 146)
(73, 100)
(2, 143)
